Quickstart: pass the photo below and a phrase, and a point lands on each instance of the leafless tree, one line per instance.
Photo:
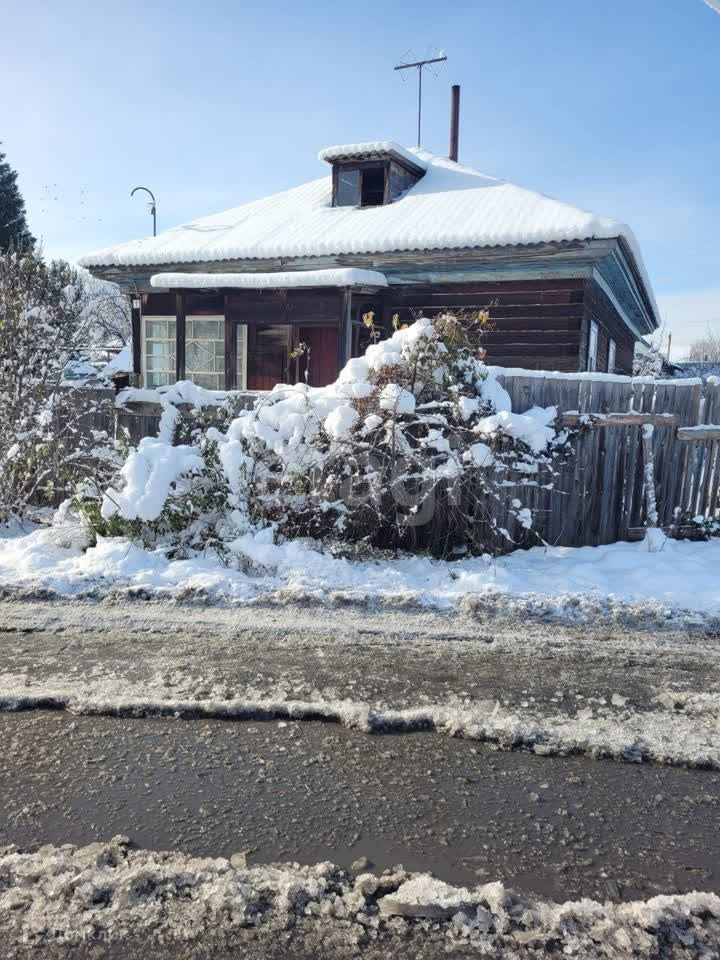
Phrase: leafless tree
(108, 312)
(707, 348)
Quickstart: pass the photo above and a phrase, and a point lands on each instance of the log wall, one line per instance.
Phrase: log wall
(535, 324)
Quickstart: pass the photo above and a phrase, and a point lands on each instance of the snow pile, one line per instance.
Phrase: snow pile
(149, 472)
(532, 427)
(283, 280)
(424, 896)
(121, 363)
(577, 584)
(676, 730)
(181, 392)
(106, 891)
(368, 150)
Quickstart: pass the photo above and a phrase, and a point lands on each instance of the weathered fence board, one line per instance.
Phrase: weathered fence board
(599, 495)
(603, 491)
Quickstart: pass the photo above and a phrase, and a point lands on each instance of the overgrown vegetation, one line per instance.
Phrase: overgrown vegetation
(414, 448)
(48, 442)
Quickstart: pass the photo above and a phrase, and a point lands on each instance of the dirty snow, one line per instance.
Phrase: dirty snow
(108, 891)
(676, 729)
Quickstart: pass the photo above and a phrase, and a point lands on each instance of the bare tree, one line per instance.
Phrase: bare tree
(108, 311)
(706, 349)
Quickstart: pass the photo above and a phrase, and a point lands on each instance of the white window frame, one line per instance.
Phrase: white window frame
(593, 346)
(612, 355)
(190, 374)
(241, 332)
(170, 372)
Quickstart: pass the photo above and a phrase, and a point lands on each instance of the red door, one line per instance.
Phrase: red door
(268, 355)
(321, 357)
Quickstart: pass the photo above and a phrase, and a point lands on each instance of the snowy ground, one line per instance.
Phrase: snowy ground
(530, 677)
(576, 584)
(617, 691)
(501, 690)
(108, 900)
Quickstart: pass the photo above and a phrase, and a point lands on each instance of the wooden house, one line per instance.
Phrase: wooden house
(225, 300)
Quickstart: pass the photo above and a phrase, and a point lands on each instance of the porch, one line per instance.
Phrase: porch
(250, 331)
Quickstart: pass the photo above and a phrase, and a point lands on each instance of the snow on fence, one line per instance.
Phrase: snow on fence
(599, 496)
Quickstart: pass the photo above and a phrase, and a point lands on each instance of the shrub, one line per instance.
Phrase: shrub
(47, 440)
(415, 447)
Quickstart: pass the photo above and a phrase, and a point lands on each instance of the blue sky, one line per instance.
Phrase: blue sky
(609, 104)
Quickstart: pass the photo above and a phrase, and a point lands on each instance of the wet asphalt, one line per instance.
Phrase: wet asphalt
(563, 827)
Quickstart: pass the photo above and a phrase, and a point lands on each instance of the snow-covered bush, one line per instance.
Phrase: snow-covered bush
(415, 446)
(703, 370)
(649, 363)
(688, 526)
(46, 439)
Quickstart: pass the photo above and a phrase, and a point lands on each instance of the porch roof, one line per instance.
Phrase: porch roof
(337, 277)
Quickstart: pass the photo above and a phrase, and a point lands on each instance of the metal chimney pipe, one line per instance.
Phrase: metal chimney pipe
(454, 121)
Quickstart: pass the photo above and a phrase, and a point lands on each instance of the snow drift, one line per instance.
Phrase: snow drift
(106, 891)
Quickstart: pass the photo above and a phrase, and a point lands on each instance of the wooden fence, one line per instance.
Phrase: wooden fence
(599, 497)
(84, 413)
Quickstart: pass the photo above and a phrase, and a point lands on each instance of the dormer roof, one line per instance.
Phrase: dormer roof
(373, 150)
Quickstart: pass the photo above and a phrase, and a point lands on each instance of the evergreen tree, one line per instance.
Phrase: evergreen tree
(14, 231)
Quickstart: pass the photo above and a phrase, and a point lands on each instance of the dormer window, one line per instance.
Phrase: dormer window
(360, 185)
(371, 174)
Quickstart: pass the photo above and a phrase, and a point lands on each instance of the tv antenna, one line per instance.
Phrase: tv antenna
(419, 65)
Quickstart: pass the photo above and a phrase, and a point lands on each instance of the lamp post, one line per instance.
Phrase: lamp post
(153, 205)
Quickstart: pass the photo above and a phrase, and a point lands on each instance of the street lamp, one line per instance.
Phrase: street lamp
(153, 205)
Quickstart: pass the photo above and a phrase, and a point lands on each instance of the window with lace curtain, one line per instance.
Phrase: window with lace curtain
(158, 345)
(205, 351)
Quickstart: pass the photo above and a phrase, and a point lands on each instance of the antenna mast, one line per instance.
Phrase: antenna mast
(419, 64)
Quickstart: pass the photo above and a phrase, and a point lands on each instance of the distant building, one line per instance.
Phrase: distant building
(225, 300)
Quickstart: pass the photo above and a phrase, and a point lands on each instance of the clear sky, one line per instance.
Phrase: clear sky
(613, 105)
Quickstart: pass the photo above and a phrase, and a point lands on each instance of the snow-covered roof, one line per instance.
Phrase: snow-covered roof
(369, 150)
(338, 277)
(451, 207)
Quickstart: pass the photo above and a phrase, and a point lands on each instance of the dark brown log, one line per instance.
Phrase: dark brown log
(708, 432)
(180, 335)
(136, 327)
(231, 335)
